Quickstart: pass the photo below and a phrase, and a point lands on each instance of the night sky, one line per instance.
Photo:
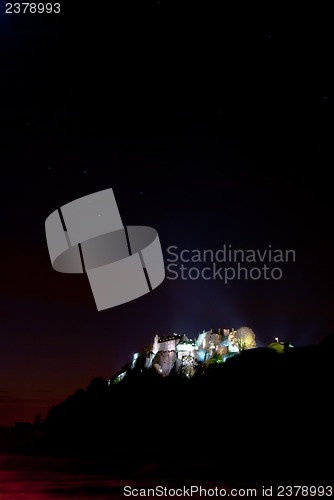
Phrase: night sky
(212, 125)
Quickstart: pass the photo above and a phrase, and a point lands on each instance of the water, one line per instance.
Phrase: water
(41, 478)
(15, 485)
(35, 478)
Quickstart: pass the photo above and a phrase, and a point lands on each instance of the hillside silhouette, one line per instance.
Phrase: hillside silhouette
(260, 413)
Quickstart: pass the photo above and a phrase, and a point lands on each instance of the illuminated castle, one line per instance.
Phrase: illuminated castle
(181, 354)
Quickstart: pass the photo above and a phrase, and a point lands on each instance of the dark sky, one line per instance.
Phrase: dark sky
(213, 125)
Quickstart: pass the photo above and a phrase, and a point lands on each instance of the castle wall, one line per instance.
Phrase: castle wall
(164, 361)
(178, 352)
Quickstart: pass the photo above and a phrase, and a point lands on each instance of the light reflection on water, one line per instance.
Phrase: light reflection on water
(32, 478)
(14, 485)
(38, 478)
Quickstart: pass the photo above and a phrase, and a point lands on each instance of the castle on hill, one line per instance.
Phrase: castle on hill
(177, 353)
